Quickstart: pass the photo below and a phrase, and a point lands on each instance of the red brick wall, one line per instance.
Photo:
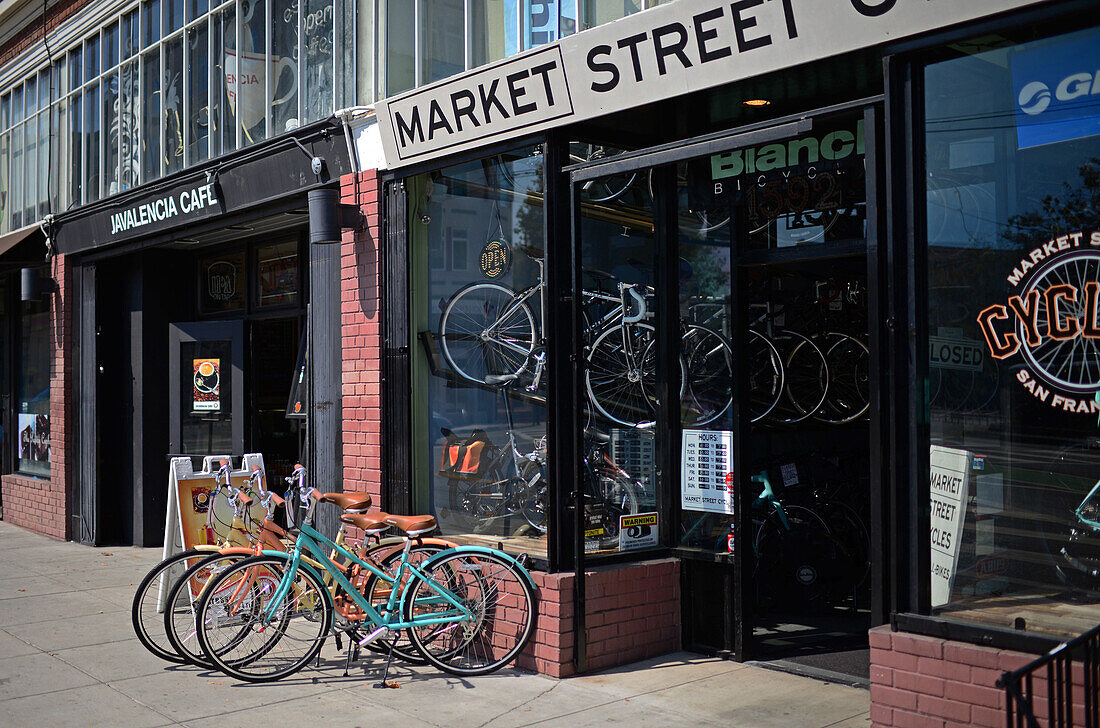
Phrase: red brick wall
(41, 504)
(31, 35)
(360, 319)
(934, 683)
(632, 613)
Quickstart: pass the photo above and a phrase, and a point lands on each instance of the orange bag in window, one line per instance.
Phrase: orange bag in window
(466, 457)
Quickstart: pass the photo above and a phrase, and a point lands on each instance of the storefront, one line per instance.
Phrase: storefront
(682, 336)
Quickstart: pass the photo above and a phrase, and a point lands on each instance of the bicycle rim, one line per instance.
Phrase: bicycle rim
(806, 377)
(150, 602)
(179, 617)
(237, 637)
(708, 384)
(766, 376)
(500, 599)
(483, 330)
(615, 388)
(849, 380)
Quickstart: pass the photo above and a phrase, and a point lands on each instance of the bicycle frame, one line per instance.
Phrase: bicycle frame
(315, 542)
(1079, 511)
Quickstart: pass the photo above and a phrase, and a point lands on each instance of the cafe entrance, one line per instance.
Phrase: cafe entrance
(725, 323)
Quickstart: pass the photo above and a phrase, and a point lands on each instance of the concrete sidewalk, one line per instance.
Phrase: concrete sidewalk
(68, 657)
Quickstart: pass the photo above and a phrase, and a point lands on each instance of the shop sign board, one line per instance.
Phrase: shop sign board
(673, 49)
(706, 471)
(1057, 91)
(637, 531)
(948, 485)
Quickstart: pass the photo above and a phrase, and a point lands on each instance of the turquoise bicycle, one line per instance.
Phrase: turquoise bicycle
(468, 610)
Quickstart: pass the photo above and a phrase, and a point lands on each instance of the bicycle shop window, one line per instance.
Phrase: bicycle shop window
(1012, 145)
(33, 417)
(475, 234)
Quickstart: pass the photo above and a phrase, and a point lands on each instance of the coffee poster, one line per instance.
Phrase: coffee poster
(206, 392)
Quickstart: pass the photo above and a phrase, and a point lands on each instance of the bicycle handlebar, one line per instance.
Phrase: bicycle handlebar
(639, 299)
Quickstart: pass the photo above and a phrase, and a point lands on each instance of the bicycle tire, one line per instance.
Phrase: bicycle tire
(708, 384)
(601, 189)
(849, 379)
(799, 566)
(617, 393)
(299, 629)
(622, 500)
(501, 598)
(469, 320)
(145, 612)
(766, 376)
(179, 616)
(806, 377)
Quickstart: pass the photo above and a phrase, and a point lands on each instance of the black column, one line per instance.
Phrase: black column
(325, 444)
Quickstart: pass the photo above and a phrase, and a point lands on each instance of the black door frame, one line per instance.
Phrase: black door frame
(195, 331)
(658, 157)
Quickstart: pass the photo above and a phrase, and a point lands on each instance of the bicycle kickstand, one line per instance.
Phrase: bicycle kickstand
(386, 672)
(353, 651)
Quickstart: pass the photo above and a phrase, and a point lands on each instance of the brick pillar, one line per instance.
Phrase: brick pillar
(39, 504)
(361, 337)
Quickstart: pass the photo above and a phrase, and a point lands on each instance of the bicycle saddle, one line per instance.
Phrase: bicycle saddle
(411, 525)
(596, 274)
(497, 379)
(371, 523)
(530, 251)
(353, 502)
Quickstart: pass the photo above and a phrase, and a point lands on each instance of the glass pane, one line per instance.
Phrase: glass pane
(44, 89)
(91, 58)
(598, 12)
(173, 104)
(196, 8)
(546, 22)
(284, 66)
(17, 105)
(5, 112)
(93, 139)
(76, 68)
(30, 170)
(277, 274)
(198, 70)
(476, 236)
(206, 396)
(44, 149)
(150, 23)
(129, 121)
(400, 46)
(76, 141)
(17, 177)
(1013, 367)
(110, 46)
(5, 182)
(252, 69)
(443, 39)
(223, 282)
(173, 15)
(130, 30)
(111, 108)
(62, 158)
(487, 31)
(345, 50)
(151, 116)
(318, 87)
(31, 96)
(224, 92)
(34, 387)
(618, 253)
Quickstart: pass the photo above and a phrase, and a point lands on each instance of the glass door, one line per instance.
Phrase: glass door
(206, 375)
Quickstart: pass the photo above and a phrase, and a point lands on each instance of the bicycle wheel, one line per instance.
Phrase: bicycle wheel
(849, 380)
(377, 592)
(602, 189)
(766, 376)
(621, 374)
(619, 497)
(485, 330)
(806, 377)
(500, 597)
(535, 494)
(708, 387)
(151, 599)
(179, 617)
(800, 565)
(242, 640)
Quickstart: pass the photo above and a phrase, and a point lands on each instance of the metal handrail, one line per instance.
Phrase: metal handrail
(1020, 698)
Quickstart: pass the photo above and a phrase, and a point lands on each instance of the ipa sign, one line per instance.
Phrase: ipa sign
(948, 486)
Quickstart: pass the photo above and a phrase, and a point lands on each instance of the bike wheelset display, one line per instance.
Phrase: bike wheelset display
(500, 599)
(251, 632)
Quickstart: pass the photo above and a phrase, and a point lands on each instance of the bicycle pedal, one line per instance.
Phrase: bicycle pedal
(373, 636)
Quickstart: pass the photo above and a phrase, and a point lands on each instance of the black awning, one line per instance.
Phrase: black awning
(25, 245)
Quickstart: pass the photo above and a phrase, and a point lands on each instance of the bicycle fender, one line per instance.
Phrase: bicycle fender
(520, 569)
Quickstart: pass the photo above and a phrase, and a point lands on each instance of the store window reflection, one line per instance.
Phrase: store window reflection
(33, 419)
(1013, 390)
(479, 395)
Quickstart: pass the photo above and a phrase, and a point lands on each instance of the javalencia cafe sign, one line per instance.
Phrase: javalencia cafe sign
(1051, 323)
(675, 48)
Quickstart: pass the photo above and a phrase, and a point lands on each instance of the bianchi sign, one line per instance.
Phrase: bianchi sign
(1051, 324)
(673, 49)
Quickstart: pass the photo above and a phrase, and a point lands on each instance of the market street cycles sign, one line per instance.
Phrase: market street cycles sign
(1052, 322)
(673, 49)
